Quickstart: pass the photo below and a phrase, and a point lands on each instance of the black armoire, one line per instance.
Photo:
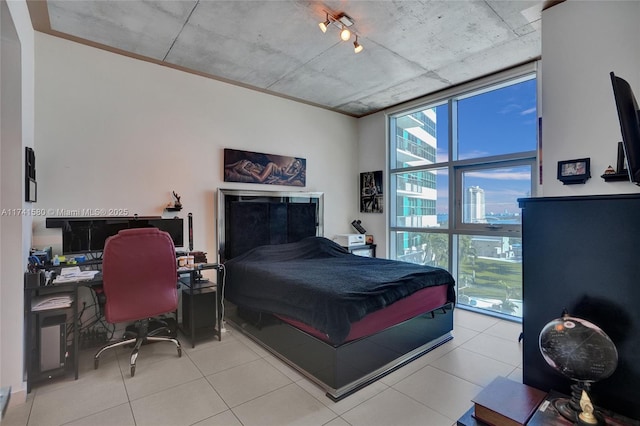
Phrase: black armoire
(583, 254)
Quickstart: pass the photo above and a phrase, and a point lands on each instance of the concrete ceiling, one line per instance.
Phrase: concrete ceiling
(411, 48)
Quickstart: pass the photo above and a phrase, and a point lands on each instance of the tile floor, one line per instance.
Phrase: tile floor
(235, 382)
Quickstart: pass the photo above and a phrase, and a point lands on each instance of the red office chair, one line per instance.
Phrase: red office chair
(139, 282)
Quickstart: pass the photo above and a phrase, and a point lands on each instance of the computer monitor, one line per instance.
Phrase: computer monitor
(86, 235)
(174, 227)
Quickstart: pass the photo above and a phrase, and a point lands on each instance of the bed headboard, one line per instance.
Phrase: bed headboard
(248, 219)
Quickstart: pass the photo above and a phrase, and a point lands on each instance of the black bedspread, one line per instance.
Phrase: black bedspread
(319, 283)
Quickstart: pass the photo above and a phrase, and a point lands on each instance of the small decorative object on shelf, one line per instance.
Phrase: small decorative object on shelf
(571, 172)
(177, 205)
(621, 173)
(586, 415)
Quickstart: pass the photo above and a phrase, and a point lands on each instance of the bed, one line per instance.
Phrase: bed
(341, 320)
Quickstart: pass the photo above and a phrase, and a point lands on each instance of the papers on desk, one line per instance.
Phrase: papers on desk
(56, 301)
(73, 274)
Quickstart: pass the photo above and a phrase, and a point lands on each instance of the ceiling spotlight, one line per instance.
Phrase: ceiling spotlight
(345, 34)
(357, 47)
(324, 25)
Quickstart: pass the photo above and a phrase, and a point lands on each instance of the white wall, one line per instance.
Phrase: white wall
(372, 156)
(114, 132)
(17, 127)
(581, 43)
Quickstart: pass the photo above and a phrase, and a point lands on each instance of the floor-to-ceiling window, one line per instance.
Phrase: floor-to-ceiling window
(458, 164)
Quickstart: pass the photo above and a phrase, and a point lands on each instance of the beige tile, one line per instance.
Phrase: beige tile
(472, 366)
(221, 357)
(516, 375)
(443, 392)
(462, 334)
(338, 421)
(116, 416)
(506, 330)
(158, 376)
(226, 418)
(393, 408)
(248, 381)
(417, 364)
(497, 348)
(347, 403)
(259, 386)
(257, 348)
(284, 368)
(181, 405)
(472, 320)
(76, 400)
(290, 405)
(18, 414)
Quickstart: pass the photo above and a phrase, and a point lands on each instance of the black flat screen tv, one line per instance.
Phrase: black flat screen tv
(629, 117)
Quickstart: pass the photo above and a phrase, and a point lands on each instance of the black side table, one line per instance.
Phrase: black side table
(197, 306)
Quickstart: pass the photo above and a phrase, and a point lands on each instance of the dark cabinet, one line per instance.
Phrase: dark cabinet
(582, 254)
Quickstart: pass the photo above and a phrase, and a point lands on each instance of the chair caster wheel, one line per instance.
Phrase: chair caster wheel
(96, 361)
(133, 370)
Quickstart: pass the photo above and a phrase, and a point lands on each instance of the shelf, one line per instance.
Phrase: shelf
(615, 177)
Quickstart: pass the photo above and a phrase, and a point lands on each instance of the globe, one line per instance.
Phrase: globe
(578, 349)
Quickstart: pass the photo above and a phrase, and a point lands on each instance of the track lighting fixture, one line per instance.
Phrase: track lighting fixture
(357, 47)
(345, 34)
(343, 22)
(324, 25)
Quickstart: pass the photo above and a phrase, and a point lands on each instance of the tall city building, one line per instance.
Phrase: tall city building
(416, 145)
(416, 191)
(474, 206)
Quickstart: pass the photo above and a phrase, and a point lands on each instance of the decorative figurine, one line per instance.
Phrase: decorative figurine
(586, 416)
(177, 205)
(609, 171)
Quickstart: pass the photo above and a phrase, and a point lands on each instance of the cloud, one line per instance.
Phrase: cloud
(528, 111)
(501, 175)
(510, 108)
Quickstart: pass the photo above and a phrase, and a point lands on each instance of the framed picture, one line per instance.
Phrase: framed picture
(371, 192)
(271, 169)
(574, 171)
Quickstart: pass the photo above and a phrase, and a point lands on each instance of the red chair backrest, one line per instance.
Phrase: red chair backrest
(139, 275)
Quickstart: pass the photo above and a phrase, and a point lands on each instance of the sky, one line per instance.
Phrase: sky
(498, 122)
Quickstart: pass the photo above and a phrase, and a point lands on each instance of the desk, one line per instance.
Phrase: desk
(32, 345)
(194, 290)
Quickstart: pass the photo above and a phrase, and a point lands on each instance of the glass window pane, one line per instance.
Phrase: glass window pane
(490, 195)
(501, 121)
(422, 199)
(490, 273)
(421, 137)
(422, 248)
